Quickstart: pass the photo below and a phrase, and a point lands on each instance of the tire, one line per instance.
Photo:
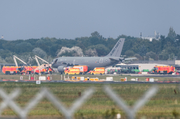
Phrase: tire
(18, 73)
(165, 72)
(7, 73)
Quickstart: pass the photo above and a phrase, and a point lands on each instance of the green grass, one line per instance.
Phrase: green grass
(163, 104)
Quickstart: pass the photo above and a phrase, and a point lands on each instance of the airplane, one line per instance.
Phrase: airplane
(111, 59)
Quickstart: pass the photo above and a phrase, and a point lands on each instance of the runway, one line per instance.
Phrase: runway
(95, 82)
(154, 75)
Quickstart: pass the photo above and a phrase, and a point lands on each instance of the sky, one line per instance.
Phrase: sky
(26, 19)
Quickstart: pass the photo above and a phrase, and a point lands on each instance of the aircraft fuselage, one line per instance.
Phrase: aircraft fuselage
(91, 62)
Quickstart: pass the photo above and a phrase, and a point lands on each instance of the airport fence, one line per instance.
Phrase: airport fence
(8, 101)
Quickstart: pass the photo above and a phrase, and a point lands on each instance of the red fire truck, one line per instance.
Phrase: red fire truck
(163, 70)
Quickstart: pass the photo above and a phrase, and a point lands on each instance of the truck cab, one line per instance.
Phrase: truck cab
(97, 70)
(72, 71)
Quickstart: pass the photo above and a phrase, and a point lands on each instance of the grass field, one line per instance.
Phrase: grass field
(165, 104)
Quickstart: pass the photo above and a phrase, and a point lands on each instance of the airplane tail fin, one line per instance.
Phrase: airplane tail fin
(117, 49)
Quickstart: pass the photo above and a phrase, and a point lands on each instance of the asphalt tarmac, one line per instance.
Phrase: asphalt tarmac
(154, 75)
(97, 82)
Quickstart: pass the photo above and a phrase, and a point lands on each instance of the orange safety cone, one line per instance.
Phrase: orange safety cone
(48, 78)
(147, 79)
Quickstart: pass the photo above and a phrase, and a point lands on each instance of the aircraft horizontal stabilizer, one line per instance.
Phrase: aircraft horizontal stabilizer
(132, 58)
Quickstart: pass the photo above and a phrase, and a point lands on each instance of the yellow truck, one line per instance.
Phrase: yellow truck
(97, 70)
(72, 71)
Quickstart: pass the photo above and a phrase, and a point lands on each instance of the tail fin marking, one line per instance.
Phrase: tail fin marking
(117, 49)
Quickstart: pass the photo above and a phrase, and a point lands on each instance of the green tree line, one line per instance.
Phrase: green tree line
(166, 48)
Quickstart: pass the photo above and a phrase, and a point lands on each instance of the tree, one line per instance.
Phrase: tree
(101, 49)
(163, 55)
(138, 57)
(39, 52)
(165, 48)
(91, 52)
(23, 47)
(9, 59)
(96, 34)
(171, 34)
(129, 53)
(74, 51)
(2, 60)
(5, 53)
(178, 56)
(142, 50)
(151, 55)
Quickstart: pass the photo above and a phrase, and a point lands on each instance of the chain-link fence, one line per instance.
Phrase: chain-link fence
(8, 101)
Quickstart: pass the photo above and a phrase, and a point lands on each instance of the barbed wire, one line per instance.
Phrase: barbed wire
(8, 100)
